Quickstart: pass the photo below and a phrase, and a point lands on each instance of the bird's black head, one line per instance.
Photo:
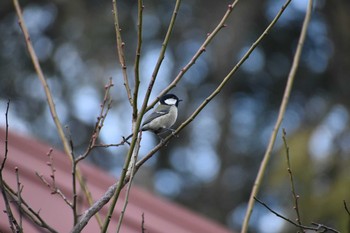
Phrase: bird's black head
(170, 99)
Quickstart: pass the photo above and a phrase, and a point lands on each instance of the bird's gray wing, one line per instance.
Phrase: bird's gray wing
(154, 115)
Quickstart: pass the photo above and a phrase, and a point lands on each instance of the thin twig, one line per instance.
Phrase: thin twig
(143, 229)
(75, 195)
(120, 48)
(74, 177)
(14, 226)
(54, 189)
(140, 8)
(110, 145)
(295, 196)
(6, 136)
(105, 107)
(19, 195)
(318, 228)
(281, 113)
(52, 168)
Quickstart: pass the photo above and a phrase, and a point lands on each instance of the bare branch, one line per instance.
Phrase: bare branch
(52, 186)
(74, 193)
(89, 213)
(318, 228)
(105, 107)
(14, 226)
(295, 196)
(73, 204)
(140, 7)
(6, 136)
(143, 229)
(120, 46)
(281, 113)
(111, 145)
(19, 195)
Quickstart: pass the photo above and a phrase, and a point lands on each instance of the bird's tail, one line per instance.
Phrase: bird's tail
(128, 137)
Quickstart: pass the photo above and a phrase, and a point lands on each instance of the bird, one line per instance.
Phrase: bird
(163, 116)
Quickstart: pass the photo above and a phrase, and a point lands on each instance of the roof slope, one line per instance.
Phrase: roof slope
(30, 156)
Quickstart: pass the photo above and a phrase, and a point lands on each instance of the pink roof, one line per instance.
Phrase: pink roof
(30, 156)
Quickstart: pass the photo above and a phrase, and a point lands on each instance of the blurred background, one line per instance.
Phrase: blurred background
(211, 166)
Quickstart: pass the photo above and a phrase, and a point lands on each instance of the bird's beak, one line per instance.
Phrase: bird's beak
(180, 100)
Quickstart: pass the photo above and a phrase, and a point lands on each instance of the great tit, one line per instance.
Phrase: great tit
(163, 117)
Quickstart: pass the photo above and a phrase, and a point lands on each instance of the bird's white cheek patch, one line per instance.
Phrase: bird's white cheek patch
(170, 101)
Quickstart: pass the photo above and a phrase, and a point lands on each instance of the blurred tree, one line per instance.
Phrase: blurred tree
(212, 165)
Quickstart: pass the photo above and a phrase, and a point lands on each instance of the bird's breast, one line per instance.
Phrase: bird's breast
(165, 121)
